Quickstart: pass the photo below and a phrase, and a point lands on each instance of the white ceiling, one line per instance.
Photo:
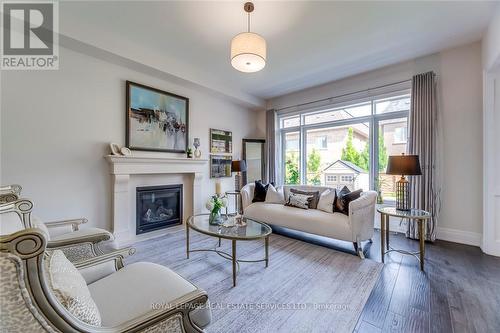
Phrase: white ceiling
(309, 43)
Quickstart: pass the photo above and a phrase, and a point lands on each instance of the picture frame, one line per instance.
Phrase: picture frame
(156, 120)
(221, 141)
(220, 166)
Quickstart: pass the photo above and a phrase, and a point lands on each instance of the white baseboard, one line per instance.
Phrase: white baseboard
(459, 236)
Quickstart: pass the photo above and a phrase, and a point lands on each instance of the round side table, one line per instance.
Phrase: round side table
(421, 216)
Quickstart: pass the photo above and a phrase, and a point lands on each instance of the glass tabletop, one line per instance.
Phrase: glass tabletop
(252, 230)
(411, 214)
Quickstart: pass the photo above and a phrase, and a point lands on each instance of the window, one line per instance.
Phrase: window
(400, 134)
(346, 144)
(346, 179)
(322, 142)
(392, 141)
(331, 178)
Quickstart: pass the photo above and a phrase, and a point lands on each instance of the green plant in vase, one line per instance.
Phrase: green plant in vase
(215, 205)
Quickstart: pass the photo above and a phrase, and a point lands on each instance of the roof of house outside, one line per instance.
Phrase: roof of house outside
(347, 164)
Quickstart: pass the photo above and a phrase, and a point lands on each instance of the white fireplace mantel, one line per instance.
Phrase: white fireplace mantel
(122, 167)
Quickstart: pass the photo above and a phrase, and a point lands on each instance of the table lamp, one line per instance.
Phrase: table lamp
(238, 167)
(408, 165)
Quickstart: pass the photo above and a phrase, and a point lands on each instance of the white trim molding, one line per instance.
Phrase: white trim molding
(459, 236)
(123, 167)
(491, 163)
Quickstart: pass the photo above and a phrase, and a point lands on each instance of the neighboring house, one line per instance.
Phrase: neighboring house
(344, 173)
(330, 141)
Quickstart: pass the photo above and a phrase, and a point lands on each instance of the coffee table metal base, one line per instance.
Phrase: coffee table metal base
(236, 262)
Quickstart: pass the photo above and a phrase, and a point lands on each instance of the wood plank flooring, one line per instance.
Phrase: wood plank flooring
(458, 292)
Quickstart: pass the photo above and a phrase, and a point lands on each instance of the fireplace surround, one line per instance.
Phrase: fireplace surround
(127, 170)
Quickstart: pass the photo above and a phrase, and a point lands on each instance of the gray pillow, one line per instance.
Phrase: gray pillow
(313, 204)
(299, 200)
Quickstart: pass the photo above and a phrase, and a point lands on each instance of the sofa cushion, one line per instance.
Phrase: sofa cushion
(343, 198)
(299, 200)
(275, 195)
(326, 201)
(260, 191)
(313, 221)
(70, 288)
(133, 291)
(313, 203)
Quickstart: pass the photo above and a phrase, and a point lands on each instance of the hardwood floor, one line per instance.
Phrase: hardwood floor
(458, 292)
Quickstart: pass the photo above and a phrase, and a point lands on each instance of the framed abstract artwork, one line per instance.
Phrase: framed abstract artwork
(221, 142)
(156, 120)
(220, 166)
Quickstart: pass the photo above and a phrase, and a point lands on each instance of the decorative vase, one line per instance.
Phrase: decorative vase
(197, 153)
(215, 217)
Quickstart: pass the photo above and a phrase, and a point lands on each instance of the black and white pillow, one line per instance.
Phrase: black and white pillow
(299, 200)
(313, 204)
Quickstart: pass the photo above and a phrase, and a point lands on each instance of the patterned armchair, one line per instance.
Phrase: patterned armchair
(76, 243)
(41, 291)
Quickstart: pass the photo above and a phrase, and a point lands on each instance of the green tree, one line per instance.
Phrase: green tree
(362, 159)
(382, 153)
(291, 168)
(349, 152)
(313, 164)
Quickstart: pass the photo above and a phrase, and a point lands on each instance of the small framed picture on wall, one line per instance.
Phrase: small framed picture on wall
(220, 166)
(221, 142)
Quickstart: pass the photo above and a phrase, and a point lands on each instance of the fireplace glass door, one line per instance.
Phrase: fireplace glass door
(158, 207)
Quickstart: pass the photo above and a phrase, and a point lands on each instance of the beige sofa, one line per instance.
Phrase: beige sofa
(355, 228)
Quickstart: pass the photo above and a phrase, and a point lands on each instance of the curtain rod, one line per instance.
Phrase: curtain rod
(343, 95)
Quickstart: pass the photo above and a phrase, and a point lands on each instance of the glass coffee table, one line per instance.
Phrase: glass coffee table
(253, 230)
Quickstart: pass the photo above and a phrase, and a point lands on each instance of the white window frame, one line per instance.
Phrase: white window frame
(373, 120)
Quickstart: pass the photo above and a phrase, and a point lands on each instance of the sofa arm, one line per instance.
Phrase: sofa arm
(247, 195)
(362, 216)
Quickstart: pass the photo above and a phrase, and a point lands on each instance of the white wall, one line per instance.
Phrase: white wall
(460, 101)
(56, 126)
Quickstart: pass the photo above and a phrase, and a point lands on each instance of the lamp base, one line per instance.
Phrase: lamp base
(237, 182)
(403, 194)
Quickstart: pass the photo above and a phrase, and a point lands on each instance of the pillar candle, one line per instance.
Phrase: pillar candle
(217, 188)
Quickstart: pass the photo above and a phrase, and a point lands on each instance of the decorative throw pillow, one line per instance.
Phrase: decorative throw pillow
(70, 288)
(275, 195)
(315, 196)
(260, 191)
(344, 197)
(299, 200)
(326, 200)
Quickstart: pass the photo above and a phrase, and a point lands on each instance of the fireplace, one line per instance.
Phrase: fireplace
(158, 207)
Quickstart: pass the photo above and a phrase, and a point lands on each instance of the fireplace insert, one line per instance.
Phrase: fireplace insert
(158, 207)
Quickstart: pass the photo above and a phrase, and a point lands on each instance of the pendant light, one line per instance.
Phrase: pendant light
(248, 49)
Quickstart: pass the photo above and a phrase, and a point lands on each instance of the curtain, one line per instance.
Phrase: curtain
(271, 145)
(423, 141)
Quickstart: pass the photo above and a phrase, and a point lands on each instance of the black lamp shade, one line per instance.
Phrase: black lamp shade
(408, 165)
(238, 166)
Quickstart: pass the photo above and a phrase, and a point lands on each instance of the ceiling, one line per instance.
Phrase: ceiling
(309, 43)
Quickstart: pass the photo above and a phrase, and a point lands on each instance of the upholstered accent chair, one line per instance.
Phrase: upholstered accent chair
(40, 294)
(76, 243)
